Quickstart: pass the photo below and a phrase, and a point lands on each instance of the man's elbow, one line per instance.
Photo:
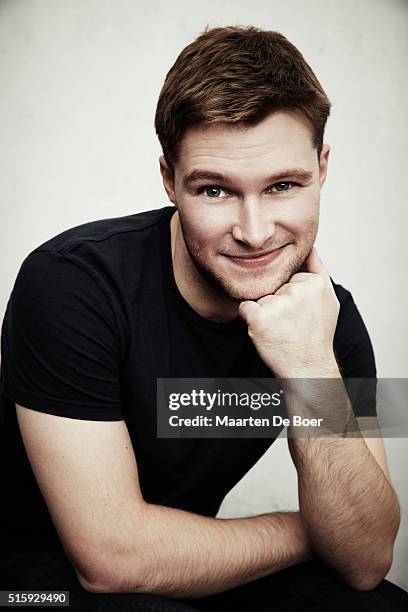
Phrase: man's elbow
(94, 585)
(378, 568)
(368, 580)
(112, 579)
(91, 579)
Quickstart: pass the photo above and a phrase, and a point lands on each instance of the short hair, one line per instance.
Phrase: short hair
(237, 75)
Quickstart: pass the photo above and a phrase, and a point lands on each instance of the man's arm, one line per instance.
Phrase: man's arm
(375, 444)
(346, 498)
(117, 542)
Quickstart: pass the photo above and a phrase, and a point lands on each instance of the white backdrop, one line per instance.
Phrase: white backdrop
(79, 85)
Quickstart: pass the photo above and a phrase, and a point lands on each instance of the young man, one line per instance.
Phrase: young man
(224, 283)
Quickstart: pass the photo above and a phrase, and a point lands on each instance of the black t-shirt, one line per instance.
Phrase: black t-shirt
(94, 318)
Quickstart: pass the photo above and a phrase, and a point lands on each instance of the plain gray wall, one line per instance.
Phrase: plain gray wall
(79, 85)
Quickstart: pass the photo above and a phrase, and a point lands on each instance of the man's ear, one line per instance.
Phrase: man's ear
(323, 163)
(168, 179)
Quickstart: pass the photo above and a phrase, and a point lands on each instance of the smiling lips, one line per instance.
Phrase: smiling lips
(256, 260)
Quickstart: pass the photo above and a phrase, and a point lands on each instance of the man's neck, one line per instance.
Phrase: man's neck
(202, 296)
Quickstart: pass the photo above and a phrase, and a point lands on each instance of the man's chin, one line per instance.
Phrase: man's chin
(259, 283)
(238, 292)
(250, 285)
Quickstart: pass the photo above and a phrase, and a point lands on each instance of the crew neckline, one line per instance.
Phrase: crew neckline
(233, 326)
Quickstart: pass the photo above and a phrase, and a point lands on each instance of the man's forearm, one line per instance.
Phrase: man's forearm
(181, 554)
(352, 525)
(348, 506)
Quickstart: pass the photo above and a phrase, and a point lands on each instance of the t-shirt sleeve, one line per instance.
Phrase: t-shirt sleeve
(355, 356)
(59, 343)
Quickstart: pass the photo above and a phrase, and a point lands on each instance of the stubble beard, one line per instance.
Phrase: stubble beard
(258, 285)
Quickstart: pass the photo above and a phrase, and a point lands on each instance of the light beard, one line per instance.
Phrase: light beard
(255, 288)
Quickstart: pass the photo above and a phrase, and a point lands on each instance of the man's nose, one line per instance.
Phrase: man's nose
(254, 224)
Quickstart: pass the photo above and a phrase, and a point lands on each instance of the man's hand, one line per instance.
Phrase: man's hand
(293, 329)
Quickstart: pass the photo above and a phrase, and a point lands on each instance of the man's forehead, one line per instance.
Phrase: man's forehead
(281, 141)
(283, 128)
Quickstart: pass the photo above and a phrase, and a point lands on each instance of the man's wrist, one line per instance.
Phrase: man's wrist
(324, 367)
(297, 542)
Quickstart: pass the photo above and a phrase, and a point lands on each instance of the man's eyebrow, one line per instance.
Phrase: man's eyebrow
(299, 174)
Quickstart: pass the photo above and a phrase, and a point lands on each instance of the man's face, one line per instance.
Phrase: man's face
(248, 202)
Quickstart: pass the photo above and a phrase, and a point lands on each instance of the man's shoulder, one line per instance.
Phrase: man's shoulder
(102, 231)
(349, 319)
(352, 342)
(342, 294)
(111, 253)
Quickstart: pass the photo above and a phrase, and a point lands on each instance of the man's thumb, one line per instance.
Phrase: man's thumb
(246, 308)
(314, 264)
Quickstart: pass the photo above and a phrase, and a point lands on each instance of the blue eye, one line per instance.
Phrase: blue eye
(211, 191)
(214, 192)
(283, 186)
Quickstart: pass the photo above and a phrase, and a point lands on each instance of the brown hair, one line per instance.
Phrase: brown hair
(237, 75)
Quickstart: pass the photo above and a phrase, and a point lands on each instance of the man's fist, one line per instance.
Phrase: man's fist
(293, 329)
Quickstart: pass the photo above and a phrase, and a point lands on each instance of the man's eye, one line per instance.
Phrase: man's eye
(211, 191)
(283, 186)
(214, 192)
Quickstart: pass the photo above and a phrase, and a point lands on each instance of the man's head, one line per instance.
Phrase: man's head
(241, 118)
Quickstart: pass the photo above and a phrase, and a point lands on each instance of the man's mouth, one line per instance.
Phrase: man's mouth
(255, 260)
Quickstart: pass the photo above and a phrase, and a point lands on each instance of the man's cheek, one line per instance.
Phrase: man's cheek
(206, 234)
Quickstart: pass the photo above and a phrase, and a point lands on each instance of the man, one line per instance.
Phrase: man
(224, 283)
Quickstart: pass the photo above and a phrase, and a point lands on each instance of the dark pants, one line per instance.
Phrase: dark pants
(307, 586)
